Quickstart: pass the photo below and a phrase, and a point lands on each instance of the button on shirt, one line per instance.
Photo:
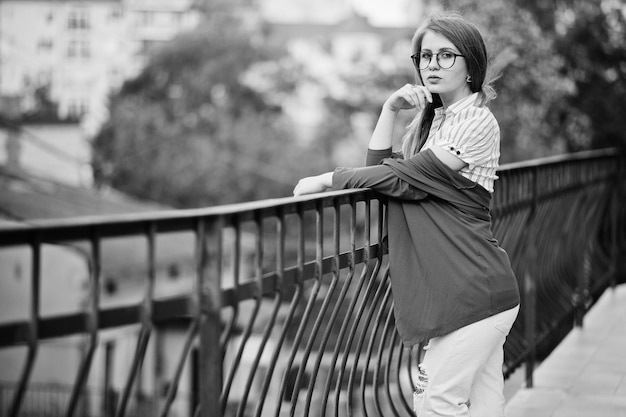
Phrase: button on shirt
(471, 133)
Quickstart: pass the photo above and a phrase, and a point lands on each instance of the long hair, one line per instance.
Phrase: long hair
(467, 38)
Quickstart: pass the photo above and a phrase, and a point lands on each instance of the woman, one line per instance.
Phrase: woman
(452, 284)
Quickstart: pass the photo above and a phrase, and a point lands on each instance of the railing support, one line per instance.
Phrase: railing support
(209, 293)
(529, 287)
(33, 328)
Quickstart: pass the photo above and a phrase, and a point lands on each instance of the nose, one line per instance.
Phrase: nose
(433, 64)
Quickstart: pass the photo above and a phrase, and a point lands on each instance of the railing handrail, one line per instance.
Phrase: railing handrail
(288, 205)
(558, 159)
(20, 233)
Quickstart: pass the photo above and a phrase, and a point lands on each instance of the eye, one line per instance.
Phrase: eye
(446, 55)
(426, 55)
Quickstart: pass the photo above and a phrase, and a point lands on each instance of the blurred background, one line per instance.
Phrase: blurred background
(118, 106)
(191, 103)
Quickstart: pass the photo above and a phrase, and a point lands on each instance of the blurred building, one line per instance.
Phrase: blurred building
(77, 52)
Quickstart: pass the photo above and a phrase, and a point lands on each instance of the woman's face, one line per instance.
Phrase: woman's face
(451, 83)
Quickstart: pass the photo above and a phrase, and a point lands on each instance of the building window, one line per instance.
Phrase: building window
(78, 49)
(44, 45)
(177, 19)
(76, 109)
(146, 17)
(78, 19)
(116, 13)
(149, 46)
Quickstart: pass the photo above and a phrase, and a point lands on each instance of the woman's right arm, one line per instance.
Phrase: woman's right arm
(408, 97)
(382, 137)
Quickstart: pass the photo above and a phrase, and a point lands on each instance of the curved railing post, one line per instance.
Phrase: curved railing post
(33, 328)
(529, 286)
(209, 303)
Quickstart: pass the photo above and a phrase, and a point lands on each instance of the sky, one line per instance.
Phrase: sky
(384, 12)
(378, 12)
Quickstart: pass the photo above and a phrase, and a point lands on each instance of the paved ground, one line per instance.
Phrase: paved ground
(585, 376)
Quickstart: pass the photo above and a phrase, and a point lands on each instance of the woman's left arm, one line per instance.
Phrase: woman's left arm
(315, 184)
(380, 178)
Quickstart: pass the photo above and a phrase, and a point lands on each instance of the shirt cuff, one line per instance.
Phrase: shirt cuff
(375, 156)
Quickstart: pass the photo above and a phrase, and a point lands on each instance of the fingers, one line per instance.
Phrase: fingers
(298, 189)
(412, 96)
(305, 186)
(419, 94)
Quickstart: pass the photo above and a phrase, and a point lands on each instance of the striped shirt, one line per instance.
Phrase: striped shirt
(472, 134)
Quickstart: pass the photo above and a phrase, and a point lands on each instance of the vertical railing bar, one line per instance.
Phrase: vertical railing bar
(333, 316)
(344, 325)
(389, 364)
(92, 324)
(280, 266)
(271, 321)
(305, 315)
(614, 204)
(236, 249)
(409, 365)
(209, 300)
(529, 285)
(364, 305)
(146, 322)
(370, 278)
(33, 327)
(191, 334)
(389, 361)
(228, 329)
(370, 350)
(402, 350)
(319, 256)
(172, 390)
(254, 314)
(591, 212)
(380, 293)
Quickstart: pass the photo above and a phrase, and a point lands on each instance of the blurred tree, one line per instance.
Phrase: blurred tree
(589, 36)
(188, 131)
(532, 89)
(559, 70)
(532, 106)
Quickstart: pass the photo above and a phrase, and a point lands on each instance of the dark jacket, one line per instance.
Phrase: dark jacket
(447, 270)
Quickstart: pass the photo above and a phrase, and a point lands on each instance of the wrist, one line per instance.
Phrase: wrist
(388, 108)
(327, 179)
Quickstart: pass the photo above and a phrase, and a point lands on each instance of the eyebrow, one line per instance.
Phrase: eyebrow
(446, 49)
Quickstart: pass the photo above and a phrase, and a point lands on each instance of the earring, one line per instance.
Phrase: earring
(468, 79)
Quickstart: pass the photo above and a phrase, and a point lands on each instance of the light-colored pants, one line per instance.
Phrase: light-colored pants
(464, 370)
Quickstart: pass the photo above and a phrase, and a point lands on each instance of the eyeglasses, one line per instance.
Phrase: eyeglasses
(445, 59)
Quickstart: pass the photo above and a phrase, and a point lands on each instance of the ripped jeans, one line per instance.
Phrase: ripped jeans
(461, 374)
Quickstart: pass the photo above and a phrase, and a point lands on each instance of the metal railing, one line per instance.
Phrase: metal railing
(290, 312)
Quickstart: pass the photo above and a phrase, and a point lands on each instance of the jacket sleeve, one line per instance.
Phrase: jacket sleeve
(380, 178)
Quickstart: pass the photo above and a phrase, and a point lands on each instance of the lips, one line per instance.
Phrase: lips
(433, 78)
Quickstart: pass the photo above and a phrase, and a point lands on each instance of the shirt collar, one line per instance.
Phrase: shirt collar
(460, 105)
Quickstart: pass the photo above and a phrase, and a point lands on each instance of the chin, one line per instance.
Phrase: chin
(435, 89)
